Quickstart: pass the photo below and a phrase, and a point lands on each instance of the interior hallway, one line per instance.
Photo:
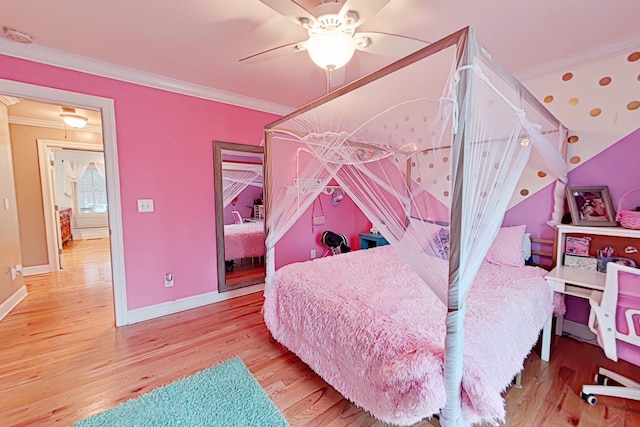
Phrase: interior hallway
(62, 359)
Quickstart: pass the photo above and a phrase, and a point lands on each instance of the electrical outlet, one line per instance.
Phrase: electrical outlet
(168, 280)
(145, 205)
(313, 253)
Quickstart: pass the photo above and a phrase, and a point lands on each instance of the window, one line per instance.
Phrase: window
(91, 192)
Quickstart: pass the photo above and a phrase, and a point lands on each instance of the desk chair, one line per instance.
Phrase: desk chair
(615, 319)
(237, 218)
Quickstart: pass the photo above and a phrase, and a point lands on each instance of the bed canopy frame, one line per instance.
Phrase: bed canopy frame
(443, 134)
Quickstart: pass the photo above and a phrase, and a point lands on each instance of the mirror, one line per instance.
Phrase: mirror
(239, 199)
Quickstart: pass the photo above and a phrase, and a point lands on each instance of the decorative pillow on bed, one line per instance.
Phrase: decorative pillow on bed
(419, 233)
(507, 247)
(440, 245)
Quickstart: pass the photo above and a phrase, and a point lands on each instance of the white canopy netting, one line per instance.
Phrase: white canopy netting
(236, 177)
(431, 149)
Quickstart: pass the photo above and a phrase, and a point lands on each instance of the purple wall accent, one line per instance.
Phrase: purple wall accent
(244, 205)
(617, 167)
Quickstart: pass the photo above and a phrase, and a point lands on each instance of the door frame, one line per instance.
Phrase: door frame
(50, 219)
(107, 109)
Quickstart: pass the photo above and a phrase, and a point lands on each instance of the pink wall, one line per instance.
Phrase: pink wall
(165, 153)
(616, 167)
(346, 218)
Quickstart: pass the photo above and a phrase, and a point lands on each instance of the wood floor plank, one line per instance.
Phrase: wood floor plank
(62, 359)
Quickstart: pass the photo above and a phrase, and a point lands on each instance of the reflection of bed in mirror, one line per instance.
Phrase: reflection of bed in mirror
(244, 240)
(239, 220)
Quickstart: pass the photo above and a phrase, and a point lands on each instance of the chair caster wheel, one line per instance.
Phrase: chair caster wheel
(589, 398)
(601, 379)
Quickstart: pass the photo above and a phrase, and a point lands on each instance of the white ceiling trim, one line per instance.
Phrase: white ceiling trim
(50, 124)
(598, 53)
(9, 100)
(83, 64)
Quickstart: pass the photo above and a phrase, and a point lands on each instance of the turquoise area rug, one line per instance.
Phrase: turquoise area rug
(223, 395)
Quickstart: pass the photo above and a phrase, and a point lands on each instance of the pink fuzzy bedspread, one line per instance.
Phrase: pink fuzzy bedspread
(243, 240)
(368, 325)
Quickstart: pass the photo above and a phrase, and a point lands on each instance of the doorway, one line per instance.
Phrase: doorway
(106, 110)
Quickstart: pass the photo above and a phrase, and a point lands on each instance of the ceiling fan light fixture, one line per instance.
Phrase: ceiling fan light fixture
(331, 50)
(72, 119)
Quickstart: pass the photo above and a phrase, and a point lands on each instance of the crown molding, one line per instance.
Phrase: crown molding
(9, 100)
(25, 121)
(83, 64)
(575, 60)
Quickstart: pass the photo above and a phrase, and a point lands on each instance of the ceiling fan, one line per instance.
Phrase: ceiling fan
(332, 33)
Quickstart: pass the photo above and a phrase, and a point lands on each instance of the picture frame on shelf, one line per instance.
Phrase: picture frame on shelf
(591, 206)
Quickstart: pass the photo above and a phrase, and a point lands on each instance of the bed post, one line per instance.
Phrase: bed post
(451, 414)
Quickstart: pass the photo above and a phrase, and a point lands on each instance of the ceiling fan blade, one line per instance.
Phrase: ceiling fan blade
(276, 52)
(291, 10)
(364, 8)
(387, 44)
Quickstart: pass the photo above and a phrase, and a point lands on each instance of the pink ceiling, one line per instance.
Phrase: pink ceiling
(201, 41)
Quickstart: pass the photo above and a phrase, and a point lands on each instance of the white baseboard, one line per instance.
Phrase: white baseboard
(36, 269)
(578, 331)
(171, 307)
(12, 301)
(90, 233)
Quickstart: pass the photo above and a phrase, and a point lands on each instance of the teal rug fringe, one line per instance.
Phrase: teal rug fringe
(223, 395)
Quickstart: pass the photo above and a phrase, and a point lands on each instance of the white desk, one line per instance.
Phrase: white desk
(573, 281)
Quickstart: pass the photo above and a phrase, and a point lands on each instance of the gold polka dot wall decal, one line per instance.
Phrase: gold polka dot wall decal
(548, 99)
(406, 118)
(542, 174)
(397, 126)
(575, 160)
(412, 130)
(524, 192)
(573, 139)
(431, 165)
(574, 101)
(567, 76)
(595, 112)
(497, 166)
(633, 57)
(633, 105)
(448, 177)
(485, 153)
(413, 164)
(604, 81)
(418, 179)
(484, 194)
(446, 194)
(385, 126)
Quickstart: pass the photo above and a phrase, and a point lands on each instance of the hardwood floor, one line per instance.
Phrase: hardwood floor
(61, 359)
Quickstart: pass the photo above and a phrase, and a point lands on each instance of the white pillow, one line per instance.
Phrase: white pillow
(419, 233)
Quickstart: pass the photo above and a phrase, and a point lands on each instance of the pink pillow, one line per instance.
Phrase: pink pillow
(507, 247)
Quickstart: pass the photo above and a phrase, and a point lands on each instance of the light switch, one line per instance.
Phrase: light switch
(145, 205)
(5, 202)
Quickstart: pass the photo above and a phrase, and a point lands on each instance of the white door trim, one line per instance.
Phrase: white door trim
(44, 145)
(106, 106)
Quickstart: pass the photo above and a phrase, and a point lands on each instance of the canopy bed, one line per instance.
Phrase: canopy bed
(431, 149)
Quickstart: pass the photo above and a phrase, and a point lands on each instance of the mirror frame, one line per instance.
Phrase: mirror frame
(218, 148)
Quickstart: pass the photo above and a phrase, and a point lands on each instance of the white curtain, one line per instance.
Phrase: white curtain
(238, 176)
(430, 153)
(73, 172)
(99, 167)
